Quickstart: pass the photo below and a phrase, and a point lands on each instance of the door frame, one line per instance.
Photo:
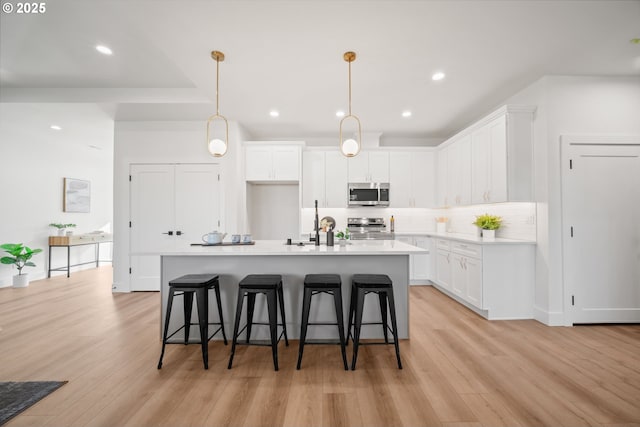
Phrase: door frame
(566, 141)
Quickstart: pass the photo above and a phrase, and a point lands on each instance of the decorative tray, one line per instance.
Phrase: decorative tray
(224, 244)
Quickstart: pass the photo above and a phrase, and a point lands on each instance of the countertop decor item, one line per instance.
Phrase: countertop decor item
(441, 224)
(217, 147)
(489, 224)
(20, 257)
(350, 147)
(327, 223)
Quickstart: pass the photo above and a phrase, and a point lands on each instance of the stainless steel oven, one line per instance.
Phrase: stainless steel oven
(368, 194)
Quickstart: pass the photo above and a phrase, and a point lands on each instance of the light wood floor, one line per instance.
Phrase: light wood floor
(459, 369)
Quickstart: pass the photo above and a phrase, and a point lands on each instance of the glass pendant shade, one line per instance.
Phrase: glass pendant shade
(350, 145)
(217, 146)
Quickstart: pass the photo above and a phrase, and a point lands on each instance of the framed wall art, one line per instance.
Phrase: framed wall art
(76, 195)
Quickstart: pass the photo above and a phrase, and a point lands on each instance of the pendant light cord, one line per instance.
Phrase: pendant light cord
(217, 85)
(349, 87)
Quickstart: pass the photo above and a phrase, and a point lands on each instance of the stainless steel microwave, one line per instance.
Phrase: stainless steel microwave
(368, 194)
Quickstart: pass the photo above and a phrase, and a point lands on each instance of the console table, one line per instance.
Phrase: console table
(78, 240)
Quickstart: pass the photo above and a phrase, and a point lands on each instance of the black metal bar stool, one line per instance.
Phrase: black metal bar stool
(250, 286)
(318, 284)
(187, 286)
(361, 285)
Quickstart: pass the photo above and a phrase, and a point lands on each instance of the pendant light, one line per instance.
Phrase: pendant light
(217, 147)
(350, 146)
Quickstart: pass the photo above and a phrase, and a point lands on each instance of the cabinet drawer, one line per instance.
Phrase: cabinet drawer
(443, 244)
(468, 249)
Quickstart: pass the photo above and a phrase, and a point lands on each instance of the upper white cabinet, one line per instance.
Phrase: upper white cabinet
(489, 162)
(272, 163)
(324, 178)
(459, 172)
(369, 166)
(442, 197)
(412, 176)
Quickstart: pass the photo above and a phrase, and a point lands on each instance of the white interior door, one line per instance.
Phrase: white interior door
(152, 218)
(171, 207)
(197, 202)
(601, 219)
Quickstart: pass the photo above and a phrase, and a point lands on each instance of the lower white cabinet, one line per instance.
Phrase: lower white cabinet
(420, 264)
(496, 280)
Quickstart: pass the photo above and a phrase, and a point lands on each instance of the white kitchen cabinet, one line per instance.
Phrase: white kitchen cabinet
(324, 178)
(369, 166)
(442, 198)
(420, 264)
(459, 172)
(443, 269)
(496, 280)
(412, 177)
(489, 162)
(272, 163)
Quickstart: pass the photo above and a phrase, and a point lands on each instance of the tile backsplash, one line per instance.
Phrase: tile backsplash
(519, 219)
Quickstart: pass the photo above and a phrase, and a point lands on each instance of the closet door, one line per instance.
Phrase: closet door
(172, 206)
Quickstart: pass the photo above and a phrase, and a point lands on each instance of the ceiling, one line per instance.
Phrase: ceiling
(288, 56)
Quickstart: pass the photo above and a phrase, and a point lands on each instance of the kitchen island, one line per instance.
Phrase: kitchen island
(293, 262)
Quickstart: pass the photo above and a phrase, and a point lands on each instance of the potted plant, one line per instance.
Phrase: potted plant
(20, 256)
(61, 227)
(488, 224)
(343, 236)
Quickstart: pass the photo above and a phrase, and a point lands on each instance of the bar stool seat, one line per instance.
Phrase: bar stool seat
(316, 284)
(361, 285)
(188, 286)
(250, 286)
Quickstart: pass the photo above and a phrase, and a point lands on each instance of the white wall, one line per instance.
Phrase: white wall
(568, 105)
(172, 142)
(34, 159)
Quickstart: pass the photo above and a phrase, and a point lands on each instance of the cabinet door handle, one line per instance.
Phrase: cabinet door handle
(179, 233)
(170, 233)
(488, 195)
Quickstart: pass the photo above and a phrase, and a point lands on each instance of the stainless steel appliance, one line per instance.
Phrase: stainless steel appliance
(368, 194)
(368, 228)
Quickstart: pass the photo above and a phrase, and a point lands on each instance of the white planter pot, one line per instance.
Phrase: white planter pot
(61, 231)
(489, 235)
(21, 280)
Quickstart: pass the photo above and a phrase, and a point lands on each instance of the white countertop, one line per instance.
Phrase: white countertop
(278, 247)
(468, 238)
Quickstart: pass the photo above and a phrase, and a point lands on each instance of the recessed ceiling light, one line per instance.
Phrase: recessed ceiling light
(437, 76)
(56, 127)
(274, 113)
(406, 114)
(104, 50)
(340, 113)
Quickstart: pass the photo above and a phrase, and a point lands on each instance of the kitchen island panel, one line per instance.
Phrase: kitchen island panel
(293, 267)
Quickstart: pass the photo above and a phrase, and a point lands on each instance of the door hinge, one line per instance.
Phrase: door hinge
(129, 178)
(570, 164)
(218, 177)
(129, 224)
(129, 270)
(571, 231)
(218, 223)
(573, 300)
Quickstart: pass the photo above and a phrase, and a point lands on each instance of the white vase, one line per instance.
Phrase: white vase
(489, 235)
(441, 227)
(21, 280)
(61, 231)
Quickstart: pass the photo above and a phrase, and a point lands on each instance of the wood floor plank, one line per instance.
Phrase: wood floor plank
(459, 369)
